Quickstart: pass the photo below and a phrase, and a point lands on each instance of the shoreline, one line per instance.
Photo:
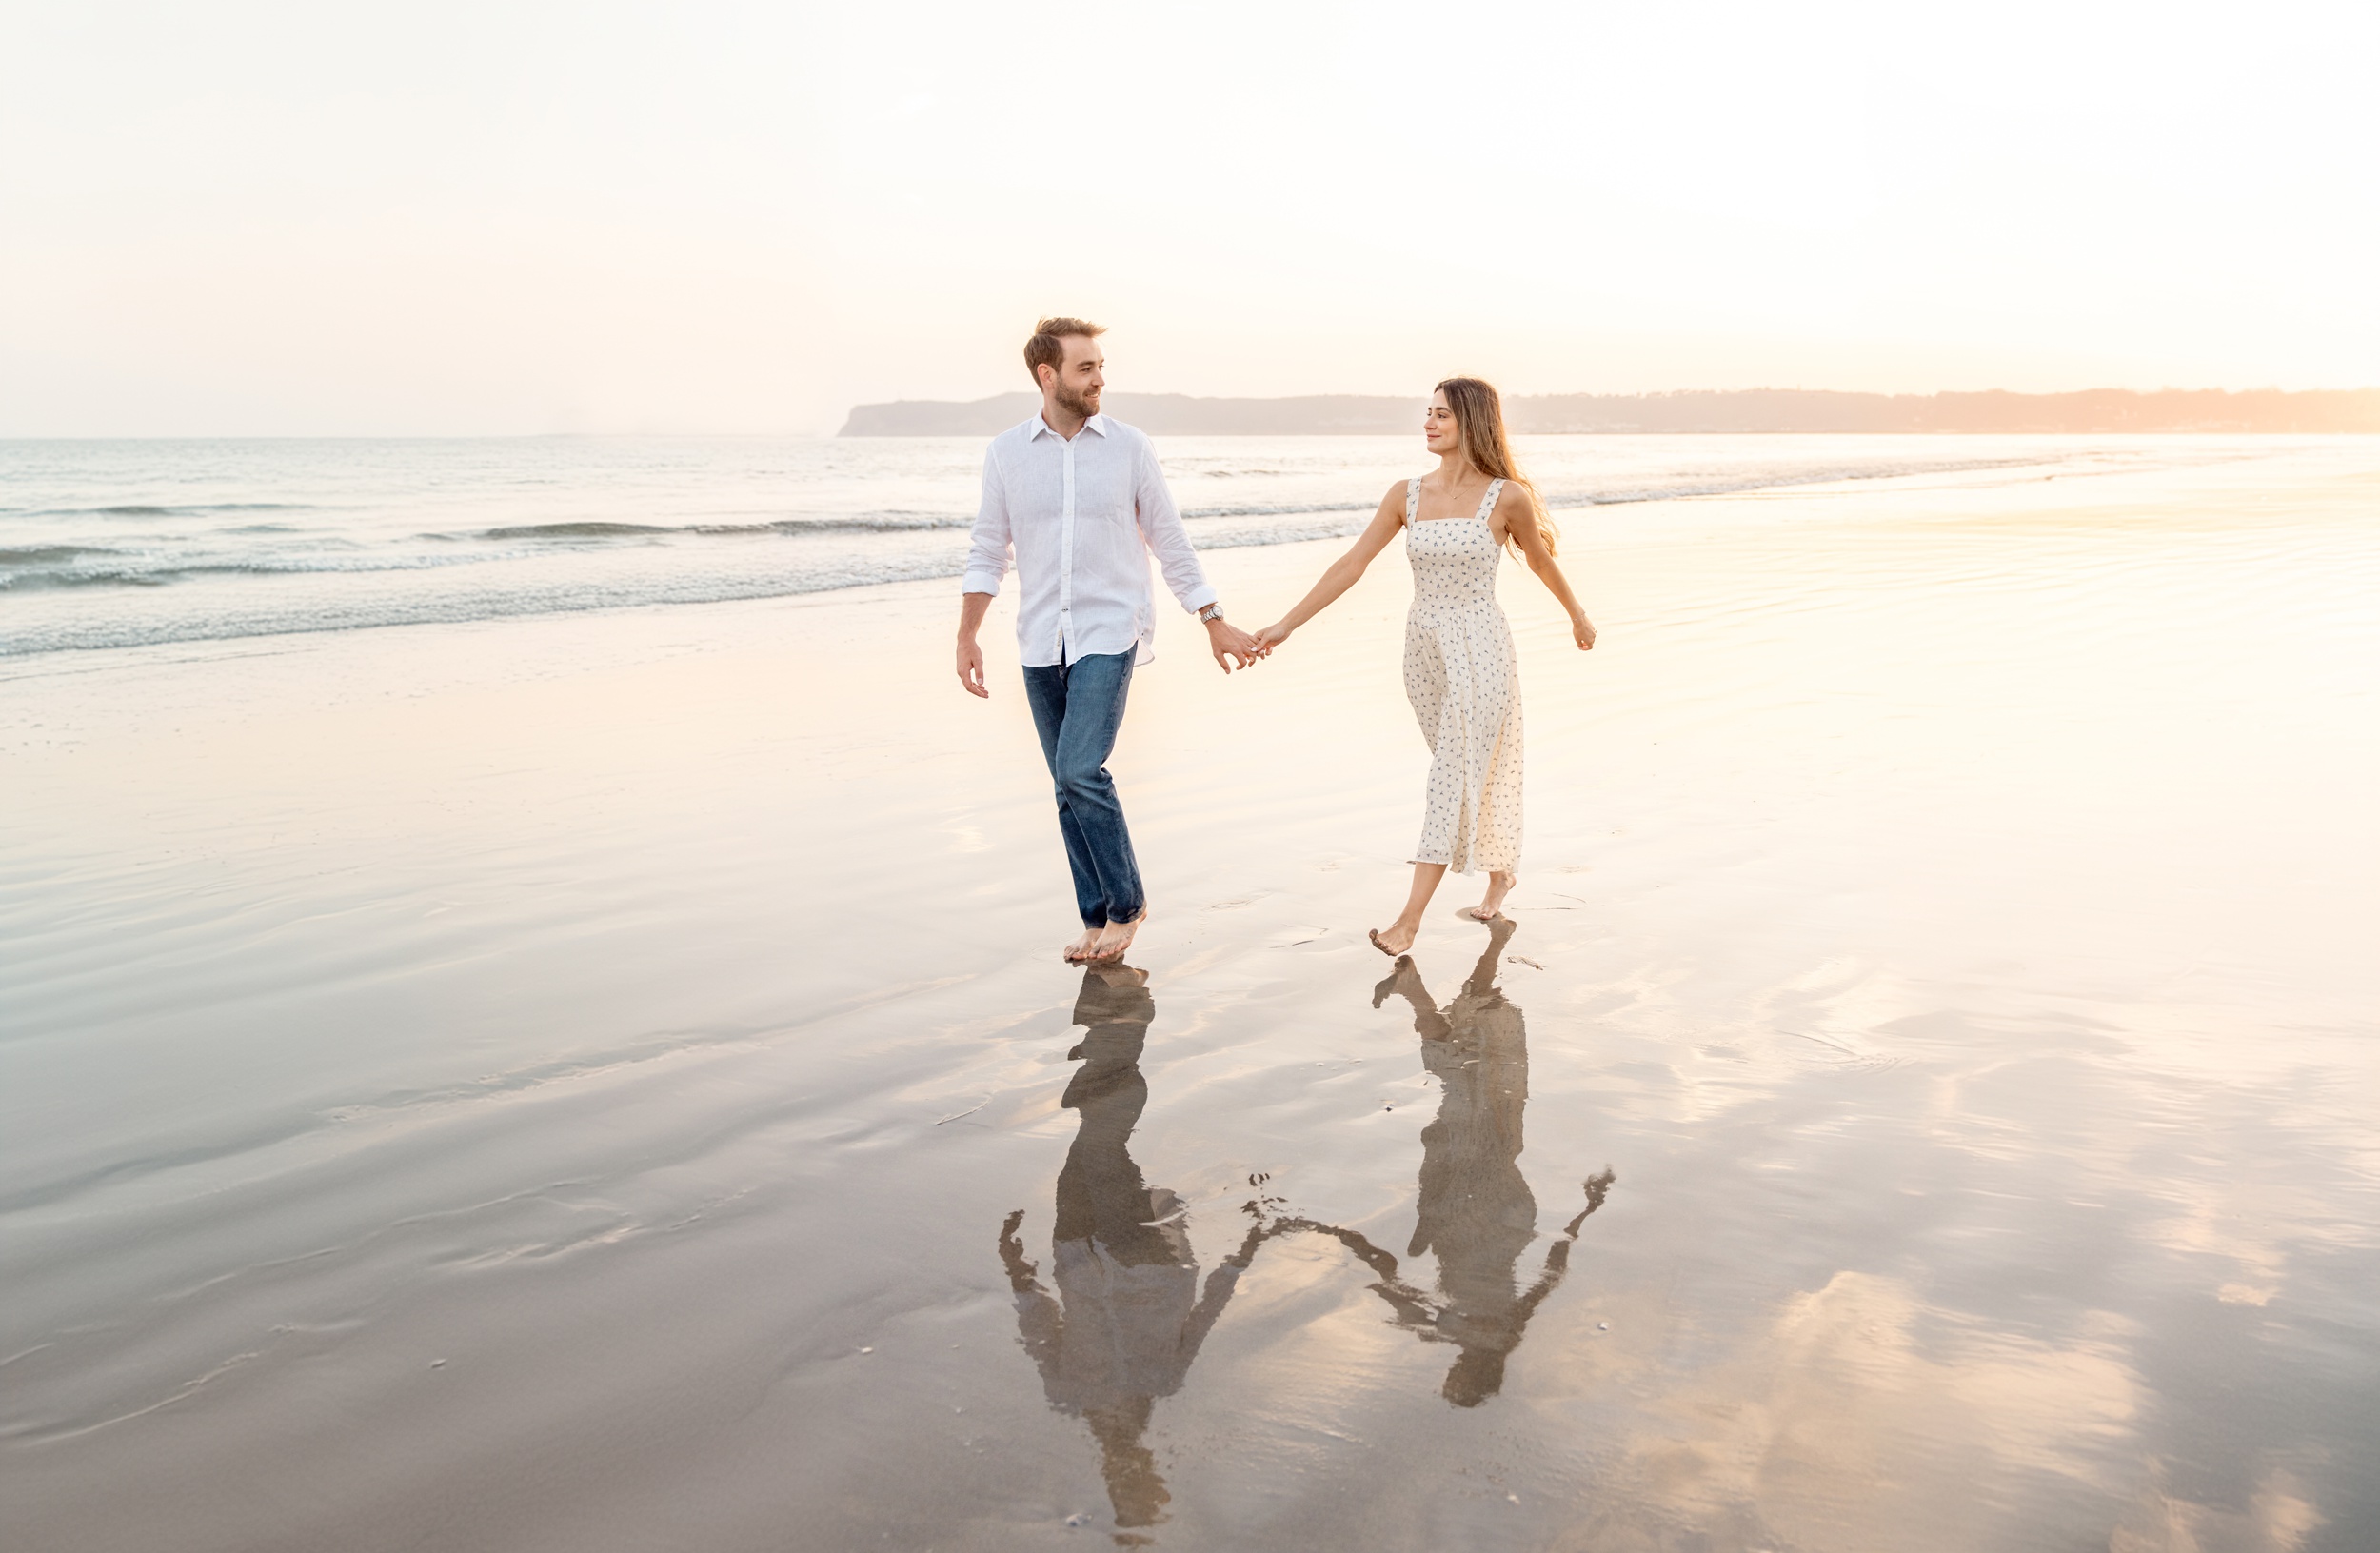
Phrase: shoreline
(78, 578)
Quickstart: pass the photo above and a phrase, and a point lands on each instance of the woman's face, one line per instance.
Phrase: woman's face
(1439, 429)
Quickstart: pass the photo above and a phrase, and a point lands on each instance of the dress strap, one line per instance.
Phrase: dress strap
(1487, 503)
(1413, 500)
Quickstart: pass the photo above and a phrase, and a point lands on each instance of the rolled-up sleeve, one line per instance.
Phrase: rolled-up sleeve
(1162, 531)
(987, 550)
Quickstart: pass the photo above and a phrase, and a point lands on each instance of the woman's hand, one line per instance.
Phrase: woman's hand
(1272, 637)
(1582, 632)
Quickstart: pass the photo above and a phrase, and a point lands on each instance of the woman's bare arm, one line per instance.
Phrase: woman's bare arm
(1517, 514)
(1343, 573)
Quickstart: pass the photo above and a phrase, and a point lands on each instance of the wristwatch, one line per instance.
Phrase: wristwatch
(1212, 613)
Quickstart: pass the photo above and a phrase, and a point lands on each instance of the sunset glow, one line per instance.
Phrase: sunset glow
(512, 218)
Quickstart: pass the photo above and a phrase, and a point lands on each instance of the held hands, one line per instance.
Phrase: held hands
(1233, 647)
(1254, 644)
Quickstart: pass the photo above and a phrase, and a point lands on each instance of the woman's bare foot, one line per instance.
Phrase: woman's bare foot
(1398, 937)
(1079, 950)
(1492, 905)
(1116, 937)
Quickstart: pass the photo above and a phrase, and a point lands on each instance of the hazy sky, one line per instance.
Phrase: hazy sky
(511, 215)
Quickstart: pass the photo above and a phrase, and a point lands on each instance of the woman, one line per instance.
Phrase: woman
(1459, 672)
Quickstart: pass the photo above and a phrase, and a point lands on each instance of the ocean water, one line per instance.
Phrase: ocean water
(126, 543)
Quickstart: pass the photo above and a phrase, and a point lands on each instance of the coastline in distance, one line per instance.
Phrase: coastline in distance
(1692, 411)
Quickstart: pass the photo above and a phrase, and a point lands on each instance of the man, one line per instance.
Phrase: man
(1081, 500)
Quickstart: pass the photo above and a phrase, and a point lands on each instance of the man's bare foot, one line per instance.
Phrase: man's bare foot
(1116, 937)
(1080, 949)
(1492, 906)
(1395, 939)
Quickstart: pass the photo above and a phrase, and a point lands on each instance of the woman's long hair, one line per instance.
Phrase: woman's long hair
(1480, 416)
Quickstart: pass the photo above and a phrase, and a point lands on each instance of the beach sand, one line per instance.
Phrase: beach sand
(608, 1082)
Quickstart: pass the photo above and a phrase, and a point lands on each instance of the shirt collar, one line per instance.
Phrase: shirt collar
(1042, 429)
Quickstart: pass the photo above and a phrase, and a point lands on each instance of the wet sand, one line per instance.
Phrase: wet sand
(607, 1082)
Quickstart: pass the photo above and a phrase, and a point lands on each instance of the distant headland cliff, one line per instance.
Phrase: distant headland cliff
(1747, 409)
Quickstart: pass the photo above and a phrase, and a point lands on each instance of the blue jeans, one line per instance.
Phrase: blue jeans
(1078, 708)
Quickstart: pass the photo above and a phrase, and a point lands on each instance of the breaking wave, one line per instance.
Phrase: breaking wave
(353, 535)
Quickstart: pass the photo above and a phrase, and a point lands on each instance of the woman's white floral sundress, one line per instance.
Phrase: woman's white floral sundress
(1464, 685)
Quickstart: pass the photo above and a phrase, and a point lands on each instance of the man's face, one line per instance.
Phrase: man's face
(1075, 381)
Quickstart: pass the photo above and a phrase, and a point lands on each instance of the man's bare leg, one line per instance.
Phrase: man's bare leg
(1500, 886)
(1397, 936)
(1079, 950)
(1116, 937)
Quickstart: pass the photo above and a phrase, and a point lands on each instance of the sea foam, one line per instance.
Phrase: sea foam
(122, 544)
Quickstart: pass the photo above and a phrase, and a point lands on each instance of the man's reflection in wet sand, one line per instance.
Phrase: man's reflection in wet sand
(1477, 1211)
(1129, 1315)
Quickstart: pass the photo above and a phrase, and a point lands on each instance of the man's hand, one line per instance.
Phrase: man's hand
(971, 667)
(972, 609)
(1228, 642)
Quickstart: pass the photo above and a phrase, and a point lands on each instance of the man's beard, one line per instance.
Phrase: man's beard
(1085, 405)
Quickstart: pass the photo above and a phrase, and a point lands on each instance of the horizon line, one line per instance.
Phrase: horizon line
(1648, 396)
(1674, 393)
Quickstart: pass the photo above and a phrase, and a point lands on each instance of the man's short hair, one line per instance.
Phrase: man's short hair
(1048, 343)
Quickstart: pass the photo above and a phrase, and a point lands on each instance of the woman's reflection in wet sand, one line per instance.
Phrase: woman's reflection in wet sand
(1476, 1212)
(1128, 1316)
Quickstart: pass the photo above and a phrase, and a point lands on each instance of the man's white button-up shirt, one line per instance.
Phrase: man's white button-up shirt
(1083, 517)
